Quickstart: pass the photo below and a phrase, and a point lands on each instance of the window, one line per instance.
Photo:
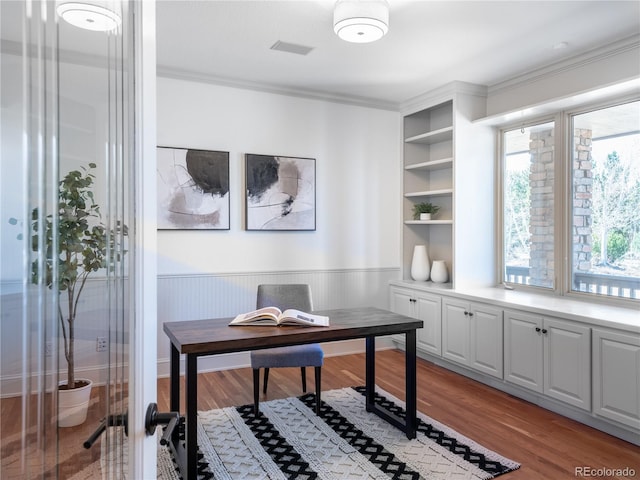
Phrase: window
(605, 200)
(528, 205)
(591, 177)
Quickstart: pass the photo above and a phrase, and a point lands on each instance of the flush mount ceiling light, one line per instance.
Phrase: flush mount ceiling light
(89, 16)
(361, 21)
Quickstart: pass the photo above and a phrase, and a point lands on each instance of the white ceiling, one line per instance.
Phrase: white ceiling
(429, 44)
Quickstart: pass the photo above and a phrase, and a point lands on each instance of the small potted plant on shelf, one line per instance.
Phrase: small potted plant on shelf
(424, 210)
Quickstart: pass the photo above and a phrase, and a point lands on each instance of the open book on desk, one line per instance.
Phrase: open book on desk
(273, 316)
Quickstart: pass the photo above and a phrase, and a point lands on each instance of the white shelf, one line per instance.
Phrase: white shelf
(430, 193)
(428, 222)
(436, 136)
(432, 165)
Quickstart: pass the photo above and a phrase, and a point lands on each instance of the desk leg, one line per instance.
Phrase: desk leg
(370, 373)
(174, 390)
(411, 390)
(191, 434)
(174, 376)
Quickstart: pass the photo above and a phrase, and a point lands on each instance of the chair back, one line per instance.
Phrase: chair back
(283, 296)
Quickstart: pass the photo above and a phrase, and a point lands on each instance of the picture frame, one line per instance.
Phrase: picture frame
(193, 189)
(280, 193)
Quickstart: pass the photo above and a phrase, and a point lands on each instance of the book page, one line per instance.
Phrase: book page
(297, 317)
(262, 315)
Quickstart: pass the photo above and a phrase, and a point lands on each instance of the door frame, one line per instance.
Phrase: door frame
(144, 328)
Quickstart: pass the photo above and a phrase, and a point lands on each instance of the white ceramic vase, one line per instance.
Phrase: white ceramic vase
(439, 272)
(420, 264)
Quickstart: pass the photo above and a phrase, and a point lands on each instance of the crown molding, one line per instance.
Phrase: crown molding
(71, 57)
(575, 62)
(179, 74)
(442, 94)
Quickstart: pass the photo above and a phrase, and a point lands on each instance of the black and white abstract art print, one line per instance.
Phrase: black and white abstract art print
(281, 193)
(193, 189)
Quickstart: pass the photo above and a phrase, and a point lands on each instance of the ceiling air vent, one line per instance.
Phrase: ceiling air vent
(291, 48)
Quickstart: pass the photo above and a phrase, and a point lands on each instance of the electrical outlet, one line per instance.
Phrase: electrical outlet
(48, 348)
(101, 344)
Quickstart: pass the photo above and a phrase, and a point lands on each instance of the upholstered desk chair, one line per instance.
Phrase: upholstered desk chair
(285, 296)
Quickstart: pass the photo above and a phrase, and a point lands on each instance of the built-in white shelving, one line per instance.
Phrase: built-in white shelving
(449, 162)
(435, 136)
(428, 177)
(428, 222)
(431, 165)
(430, 193)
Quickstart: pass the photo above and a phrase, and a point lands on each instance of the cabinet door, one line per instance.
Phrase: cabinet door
(486, 339)
(616, 376)
(429, 310)
(567, 362)
(455, 331)
(523, 350)
(402, 302)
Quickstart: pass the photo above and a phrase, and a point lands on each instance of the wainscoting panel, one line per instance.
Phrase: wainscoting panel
(192, 297)
(195, 297)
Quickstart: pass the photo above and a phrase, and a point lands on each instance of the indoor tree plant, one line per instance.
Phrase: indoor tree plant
(420, 209)
(84, 245)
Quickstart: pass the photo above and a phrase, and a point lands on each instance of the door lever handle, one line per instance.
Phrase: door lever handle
(154, 418)
(109, 421)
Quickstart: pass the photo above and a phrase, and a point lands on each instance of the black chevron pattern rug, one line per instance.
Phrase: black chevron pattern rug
(287, 440)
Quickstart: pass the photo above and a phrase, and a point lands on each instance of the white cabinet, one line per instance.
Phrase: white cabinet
(472, 335)
(523, 349)
(486, 354)
(549, 355)
(616, 376)
(456, 329)
(422, 306)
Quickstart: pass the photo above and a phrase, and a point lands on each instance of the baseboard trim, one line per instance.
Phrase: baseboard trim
(11, 385)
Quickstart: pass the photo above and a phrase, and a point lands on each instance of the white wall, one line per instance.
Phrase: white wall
(357, 152)
(354, 251)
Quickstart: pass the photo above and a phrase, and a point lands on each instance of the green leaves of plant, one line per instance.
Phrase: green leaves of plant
(83, 248)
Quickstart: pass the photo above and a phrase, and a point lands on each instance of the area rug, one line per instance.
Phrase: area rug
(287, 440)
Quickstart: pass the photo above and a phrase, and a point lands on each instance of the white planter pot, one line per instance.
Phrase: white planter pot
(73, 404)
(425, 216)
(420, 265)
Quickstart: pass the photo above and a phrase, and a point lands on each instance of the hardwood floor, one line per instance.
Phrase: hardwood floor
(547, 445)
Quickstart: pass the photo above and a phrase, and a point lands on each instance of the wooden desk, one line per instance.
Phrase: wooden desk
(196, 338)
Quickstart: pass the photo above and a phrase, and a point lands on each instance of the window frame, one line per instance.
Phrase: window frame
(500, 168)
(563, 188)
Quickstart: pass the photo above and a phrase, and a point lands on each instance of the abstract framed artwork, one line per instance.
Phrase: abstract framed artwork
(280, 193)
(193, 189)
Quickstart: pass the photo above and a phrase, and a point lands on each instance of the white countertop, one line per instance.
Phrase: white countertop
(594, 313)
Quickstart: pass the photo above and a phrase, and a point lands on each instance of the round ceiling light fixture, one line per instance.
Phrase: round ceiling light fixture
(361, 21)
(89, 16)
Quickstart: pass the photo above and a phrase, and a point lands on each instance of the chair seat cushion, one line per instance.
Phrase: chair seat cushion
(295, 356)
